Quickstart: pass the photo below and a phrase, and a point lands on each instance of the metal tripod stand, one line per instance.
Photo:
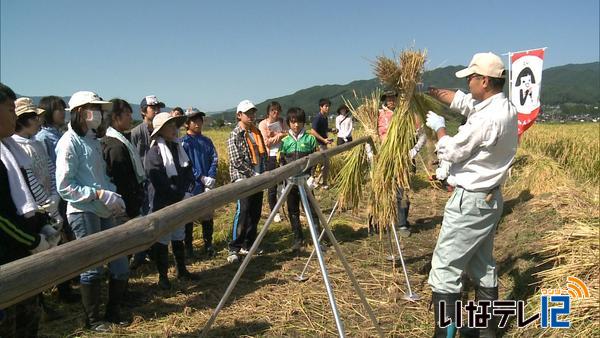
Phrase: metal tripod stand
(307, 200)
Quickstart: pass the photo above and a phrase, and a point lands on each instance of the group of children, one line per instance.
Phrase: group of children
(61, 184)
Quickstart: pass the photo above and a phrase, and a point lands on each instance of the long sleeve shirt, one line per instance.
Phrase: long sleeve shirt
(120, 168)
(167, 190)
(81, 172)
(272, 142)
(140, 138)
(485, 146)
(344, 126)
(49, 136)
(203, 155)
(240, 159)
(17, 235)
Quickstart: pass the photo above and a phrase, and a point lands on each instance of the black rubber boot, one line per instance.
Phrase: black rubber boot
(207, 233)
(49, 314)
(297, 231)
(448, 311)
(90, 297)
(490, 294)
(189, 240)
(65, 293)
(160, 253)
(116, 292)
(179, 253)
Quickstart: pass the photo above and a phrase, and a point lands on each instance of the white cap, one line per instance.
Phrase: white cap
(82, 98)
(486, 64)
(244, 106)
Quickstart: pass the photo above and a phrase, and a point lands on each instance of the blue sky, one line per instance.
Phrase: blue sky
(212, 54)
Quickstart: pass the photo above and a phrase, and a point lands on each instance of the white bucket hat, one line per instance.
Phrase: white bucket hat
(162, 118)
(82, 98)
(486, 64)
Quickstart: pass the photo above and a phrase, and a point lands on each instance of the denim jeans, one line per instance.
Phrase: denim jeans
(85, 224)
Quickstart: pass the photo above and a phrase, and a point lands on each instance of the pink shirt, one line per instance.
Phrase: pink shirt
(383, 122)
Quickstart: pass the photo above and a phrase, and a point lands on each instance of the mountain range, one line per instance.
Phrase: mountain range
(572, 83)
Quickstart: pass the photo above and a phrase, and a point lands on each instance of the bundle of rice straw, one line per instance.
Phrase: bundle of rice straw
(574, 251)
(391, 166)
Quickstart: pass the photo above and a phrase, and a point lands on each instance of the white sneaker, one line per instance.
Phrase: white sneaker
(233, 257)
(277, 218)
(245, 252)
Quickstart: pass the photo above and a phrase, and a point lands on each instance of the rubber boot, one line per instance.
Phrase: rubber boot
(116, 292)
(90, 297)
(179, 253)
(189, 240)
(207, 233)
(65, 293)
(448, 311)
(490, 294)
(49, 314)
(160, 253)
(297, 231)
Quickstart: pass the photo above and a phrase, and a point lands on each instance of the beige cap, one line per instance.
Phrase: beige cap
(162, 118)
(486, 64)
(82, 98)
(25, 105)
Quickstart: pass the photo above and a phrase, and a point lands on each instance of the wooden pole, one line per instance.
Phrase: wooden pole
(31, 275)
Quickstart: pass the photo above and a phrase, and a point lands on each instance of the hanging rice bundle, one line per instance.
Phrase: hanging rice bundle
(394, 162)
(390, 168)
(367, 112)
(352, 178)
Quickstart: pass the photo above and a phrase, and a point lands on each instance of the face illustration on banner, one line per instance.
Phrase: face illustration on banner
(526, 89)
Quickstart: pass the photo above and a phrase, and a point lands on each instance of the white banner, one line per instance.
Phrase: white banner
(526, 84)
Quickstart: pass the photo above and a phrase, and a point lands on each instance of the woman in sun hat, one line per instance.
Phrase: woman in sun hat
(170, 172)
(92, 201)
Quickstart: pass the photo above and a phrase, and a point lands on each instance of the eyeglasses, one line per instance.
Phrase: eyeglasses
(472, 76)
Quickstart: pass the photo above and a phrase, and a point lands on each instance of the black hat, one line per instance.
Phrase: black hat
(343, 107)
(390, 93)
(194, 112)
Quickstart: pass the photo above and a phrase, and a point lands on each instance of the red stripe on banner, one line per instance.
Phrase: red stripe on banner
(536, 52)
(527, 120)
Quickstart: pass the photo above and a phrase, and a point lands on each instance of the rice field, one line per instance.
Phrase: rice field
(549, 231)
(575, 147)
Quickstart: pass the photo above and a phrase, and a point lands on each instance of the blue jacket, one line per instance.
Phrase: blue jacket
(49, 136)
(80, 172)
(203, 155)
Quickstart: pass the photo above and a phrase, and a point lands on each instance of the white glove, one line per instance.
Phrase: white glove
(42, 245)
(443, 170)
(434, 121)
(57, 222)
(369, 151)
(206, 189)
(52, 236)
(412, 153)
(311, 182)
(51, 206)
(208, 182)
(113, 201)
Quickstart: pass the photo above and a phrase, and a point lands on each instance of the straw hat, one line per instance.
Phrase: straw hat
(25, 105)
(163, 118)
